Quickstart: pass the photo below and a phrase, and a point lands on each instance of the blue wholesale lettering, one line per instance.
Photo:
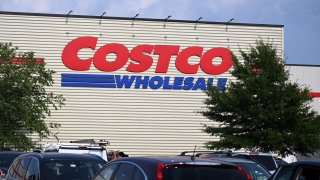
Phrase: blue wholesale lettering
(140, 82)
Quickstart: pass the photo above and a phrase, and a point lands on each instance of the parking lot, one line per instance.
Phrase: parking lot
(91, 159)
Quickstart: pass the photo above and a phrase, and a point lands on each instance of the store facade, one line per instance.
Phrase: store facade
(138, 83)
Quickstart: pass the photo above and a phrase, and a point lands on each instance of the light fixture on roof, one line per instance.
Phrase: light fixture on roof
(134, 17)
(195, 25)
(165, 21)
(230, 20)
(68, 15)
(101, 17)
(228, 23)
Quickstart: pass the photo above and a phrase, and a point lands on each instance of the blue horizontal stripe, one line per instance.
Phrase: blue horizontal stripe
(66, 84)
(100, 76)
(88, 80)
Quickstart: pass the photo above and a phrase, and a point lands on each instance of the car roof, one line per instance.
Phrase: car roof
(227, 153)
(12, 152)
(232, 159)
(51, 156)
(309, 162)
(174, 160)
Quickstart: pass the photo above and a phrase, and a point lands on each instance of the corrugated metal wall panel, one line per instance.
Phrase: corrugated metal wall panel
(137, 121)
(307, 76)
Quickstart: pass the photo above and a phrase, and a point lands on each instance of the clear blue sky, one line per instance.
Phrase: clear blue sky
(301, 18)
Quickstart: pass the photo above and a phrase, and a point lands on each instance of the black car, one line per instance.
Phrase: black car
(302, 170)
(256, 171)
(54, 166)
(6, 158)
(264, 159)
(170, 168)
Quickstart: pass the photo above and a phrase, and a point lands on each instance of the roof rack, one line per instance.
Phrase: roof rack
(100, 142)
(184, 153)
(78, 144)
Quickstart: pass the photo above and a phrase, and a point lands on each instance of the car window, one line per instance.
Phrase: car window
(19, 168)
(107, 172)
(255, 170)
(309, 173)
(124, 171)
(137, 174)
(280, 161)
(33, 169)
(267, 161)
(14, 167)
(70, 169)
(186, 172)
(284, 173)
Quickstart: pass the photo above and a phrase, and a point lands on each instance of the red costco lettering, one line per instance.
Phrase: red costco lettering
(101, 63)
(207, 58)
(165, 52)
(141, 59)
(70, 53)
(182, 63)
(144, 61)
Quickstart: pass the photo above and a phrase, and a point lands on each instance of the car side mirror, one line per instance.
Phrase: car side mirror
(32, 177)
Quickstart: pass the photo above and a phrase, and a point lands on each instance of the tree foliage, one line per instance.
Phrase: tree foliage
(24, 101)
(262, 110)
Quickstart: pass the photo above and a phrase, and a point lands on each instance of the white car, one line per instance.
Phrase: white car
(87, 146)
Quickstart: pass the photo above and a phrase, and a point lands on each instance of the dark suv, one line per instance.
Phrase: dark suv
(302, 170)
(54, 166)
(264, 159)
(170, 168)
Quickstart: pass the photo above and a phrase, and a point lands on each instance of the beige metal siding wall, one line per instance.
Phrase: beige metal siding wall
(307, 76)
(137, 121)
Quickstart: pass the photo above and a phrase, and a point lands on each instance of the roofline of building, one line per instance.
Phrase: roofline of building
(309, 65)
(136, 19)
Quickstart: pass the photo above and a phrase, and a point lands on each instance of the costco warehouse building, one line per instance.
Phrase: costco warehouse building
(146, 104)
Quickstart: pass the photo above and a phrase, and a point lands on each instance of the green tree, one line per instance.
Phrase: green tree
(24, 101)
(262, 110)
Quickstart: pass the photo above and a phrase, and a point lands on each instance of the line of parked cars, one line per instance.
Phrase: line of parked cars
(189, 165)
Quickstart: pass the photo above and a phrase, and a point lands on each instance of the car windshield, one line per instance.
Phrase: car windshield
(189, 172)
(70, 169)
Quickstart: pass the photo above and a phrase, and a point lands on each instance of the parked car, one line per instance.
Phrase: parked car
(170, 168)
(6, 158)
(301, 170)
(256, 171)
(84, 146)
(264, 159)
(54, 166)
